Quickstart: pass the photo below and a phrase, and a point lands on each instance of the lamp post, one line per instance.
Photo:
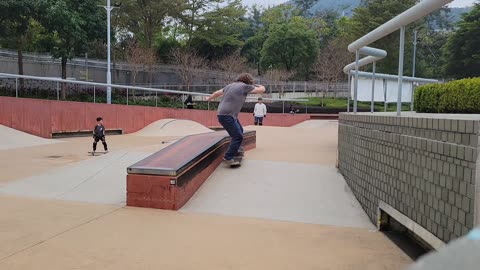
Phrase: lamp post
(109, 9)
(413, 68)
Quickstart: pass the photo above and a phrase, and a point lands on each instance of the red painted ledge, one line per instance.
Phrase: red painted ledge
(170, 177)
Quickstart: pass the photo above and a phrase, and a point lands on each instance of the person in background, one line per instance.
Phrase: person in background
(259, 112)
(189, 102)
(234, 96)
(99, 135)
(292, 109)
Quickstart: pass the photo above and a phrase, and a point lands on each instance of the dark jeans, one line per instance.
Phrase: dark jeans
(95, 141)
(258, 121)
(235, 130)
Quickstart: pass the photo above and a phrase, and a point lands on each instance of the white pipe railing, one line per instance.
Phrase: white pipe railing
(420, 10)
(393, 77)
(373, 52)
(127, 87)
(362, 62)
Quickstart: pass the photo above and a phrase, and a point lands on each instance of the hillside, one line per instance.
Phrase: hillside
(338, 5)
(346, 7)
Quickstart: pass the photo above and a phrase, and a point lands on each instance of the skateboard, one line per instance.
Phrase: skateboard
(238, 157)
(93, 153)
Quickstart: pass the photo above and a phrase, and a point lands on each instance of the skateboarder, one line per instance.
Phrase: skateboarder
(259, 112)
(234, 96)
(99, 135)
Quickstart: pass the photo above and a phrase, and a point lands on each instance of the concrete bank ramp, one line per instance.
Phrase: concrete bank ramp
(172, 128)
(317, 124)
(12, 138)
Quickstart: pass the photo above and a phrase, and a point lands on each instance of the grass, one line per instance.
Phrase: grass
(341, 103)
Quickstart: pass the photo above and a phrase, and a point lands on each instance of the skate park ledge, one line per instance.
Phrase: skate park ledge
(170, 177)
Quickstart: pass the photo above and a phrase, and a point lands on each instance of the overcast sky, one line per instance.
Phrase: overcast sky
(455, 3)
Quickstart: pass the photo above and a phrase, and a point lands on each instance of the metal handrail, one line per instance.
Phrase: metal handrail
(393, 77)
(420, 10)
(127, 87)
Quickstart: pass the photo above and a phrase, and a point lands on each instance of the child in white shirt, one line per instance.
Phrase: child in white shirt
(259, 112)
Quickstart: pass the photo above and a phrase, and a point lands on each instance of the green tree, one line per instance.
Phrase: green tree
(305, 6)
(166, 41)
(16, 23)
(192, 18)
(146, 18)
(71, 26)
(291, 45)
(220, 32)
(374, 13)
(429, 59)
(462, 51)
(335, 25)
(254, 35)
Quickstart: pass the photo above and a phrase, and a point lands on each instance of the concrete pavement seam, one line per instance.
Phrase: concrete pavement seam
(89, 178)
(60, 233)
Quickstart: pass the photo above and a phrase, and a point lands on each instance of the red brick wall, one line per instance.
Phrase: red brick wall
(42, 117)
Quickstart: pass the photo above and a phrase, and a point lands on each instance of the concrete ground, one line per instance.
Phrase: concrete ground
(285, 208)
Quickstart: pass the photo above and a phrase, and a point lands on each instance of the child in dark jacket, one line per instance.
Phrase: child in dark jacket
(99, 135)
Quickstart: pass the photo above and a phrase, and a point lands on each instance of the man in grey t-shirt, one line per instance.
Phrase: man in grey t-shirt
(234, 96)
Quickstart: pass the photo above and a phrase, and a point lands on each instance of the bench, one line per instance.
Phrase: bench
(170, 177)
(83, 133)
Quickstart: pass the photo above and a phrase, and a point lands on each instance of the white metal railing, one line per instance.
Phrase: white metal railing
(126, 87)
(420, 10)
(373, 55)
(389, 76)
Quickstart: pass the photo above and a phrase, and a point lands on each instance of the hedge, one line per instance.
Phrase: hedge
(462, 96)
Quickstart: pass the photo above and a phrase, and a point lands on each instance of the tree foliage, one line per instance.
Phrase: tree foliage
(71, 25)
(289, 45)
(221, 31)
(375, 13)
(462, 51)
(145, 18)
(16, 23)
(286, 38)
(188, 62)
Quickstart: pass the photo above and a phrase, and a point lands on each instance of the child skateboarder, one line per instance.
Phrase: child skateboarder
(99, 135)
(234, 96)
(259, 112)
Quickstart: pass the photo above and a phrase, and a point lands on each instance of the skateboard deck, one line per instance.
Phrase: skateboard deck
(239, 159)
(93, 153)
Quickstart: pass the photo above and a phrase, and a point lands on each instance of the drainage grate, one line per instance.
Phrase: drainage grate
(55, 156)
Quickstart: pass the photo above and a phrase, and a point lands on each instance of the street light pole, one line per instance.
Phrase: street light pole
(414, 52)
(413, 68)
(109, 73)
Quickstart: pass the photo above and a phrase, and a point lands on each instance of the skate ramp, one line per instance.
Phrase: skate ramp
(12, 139)
(318, 124)
(286, 191)
(172, 128)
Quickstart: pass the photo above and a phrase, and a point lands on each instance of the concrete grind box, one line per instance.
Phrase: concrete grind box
(426, 167)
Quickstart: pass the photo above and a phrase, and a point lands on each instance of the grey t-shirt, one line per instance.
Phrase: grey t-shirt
(234, 96)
